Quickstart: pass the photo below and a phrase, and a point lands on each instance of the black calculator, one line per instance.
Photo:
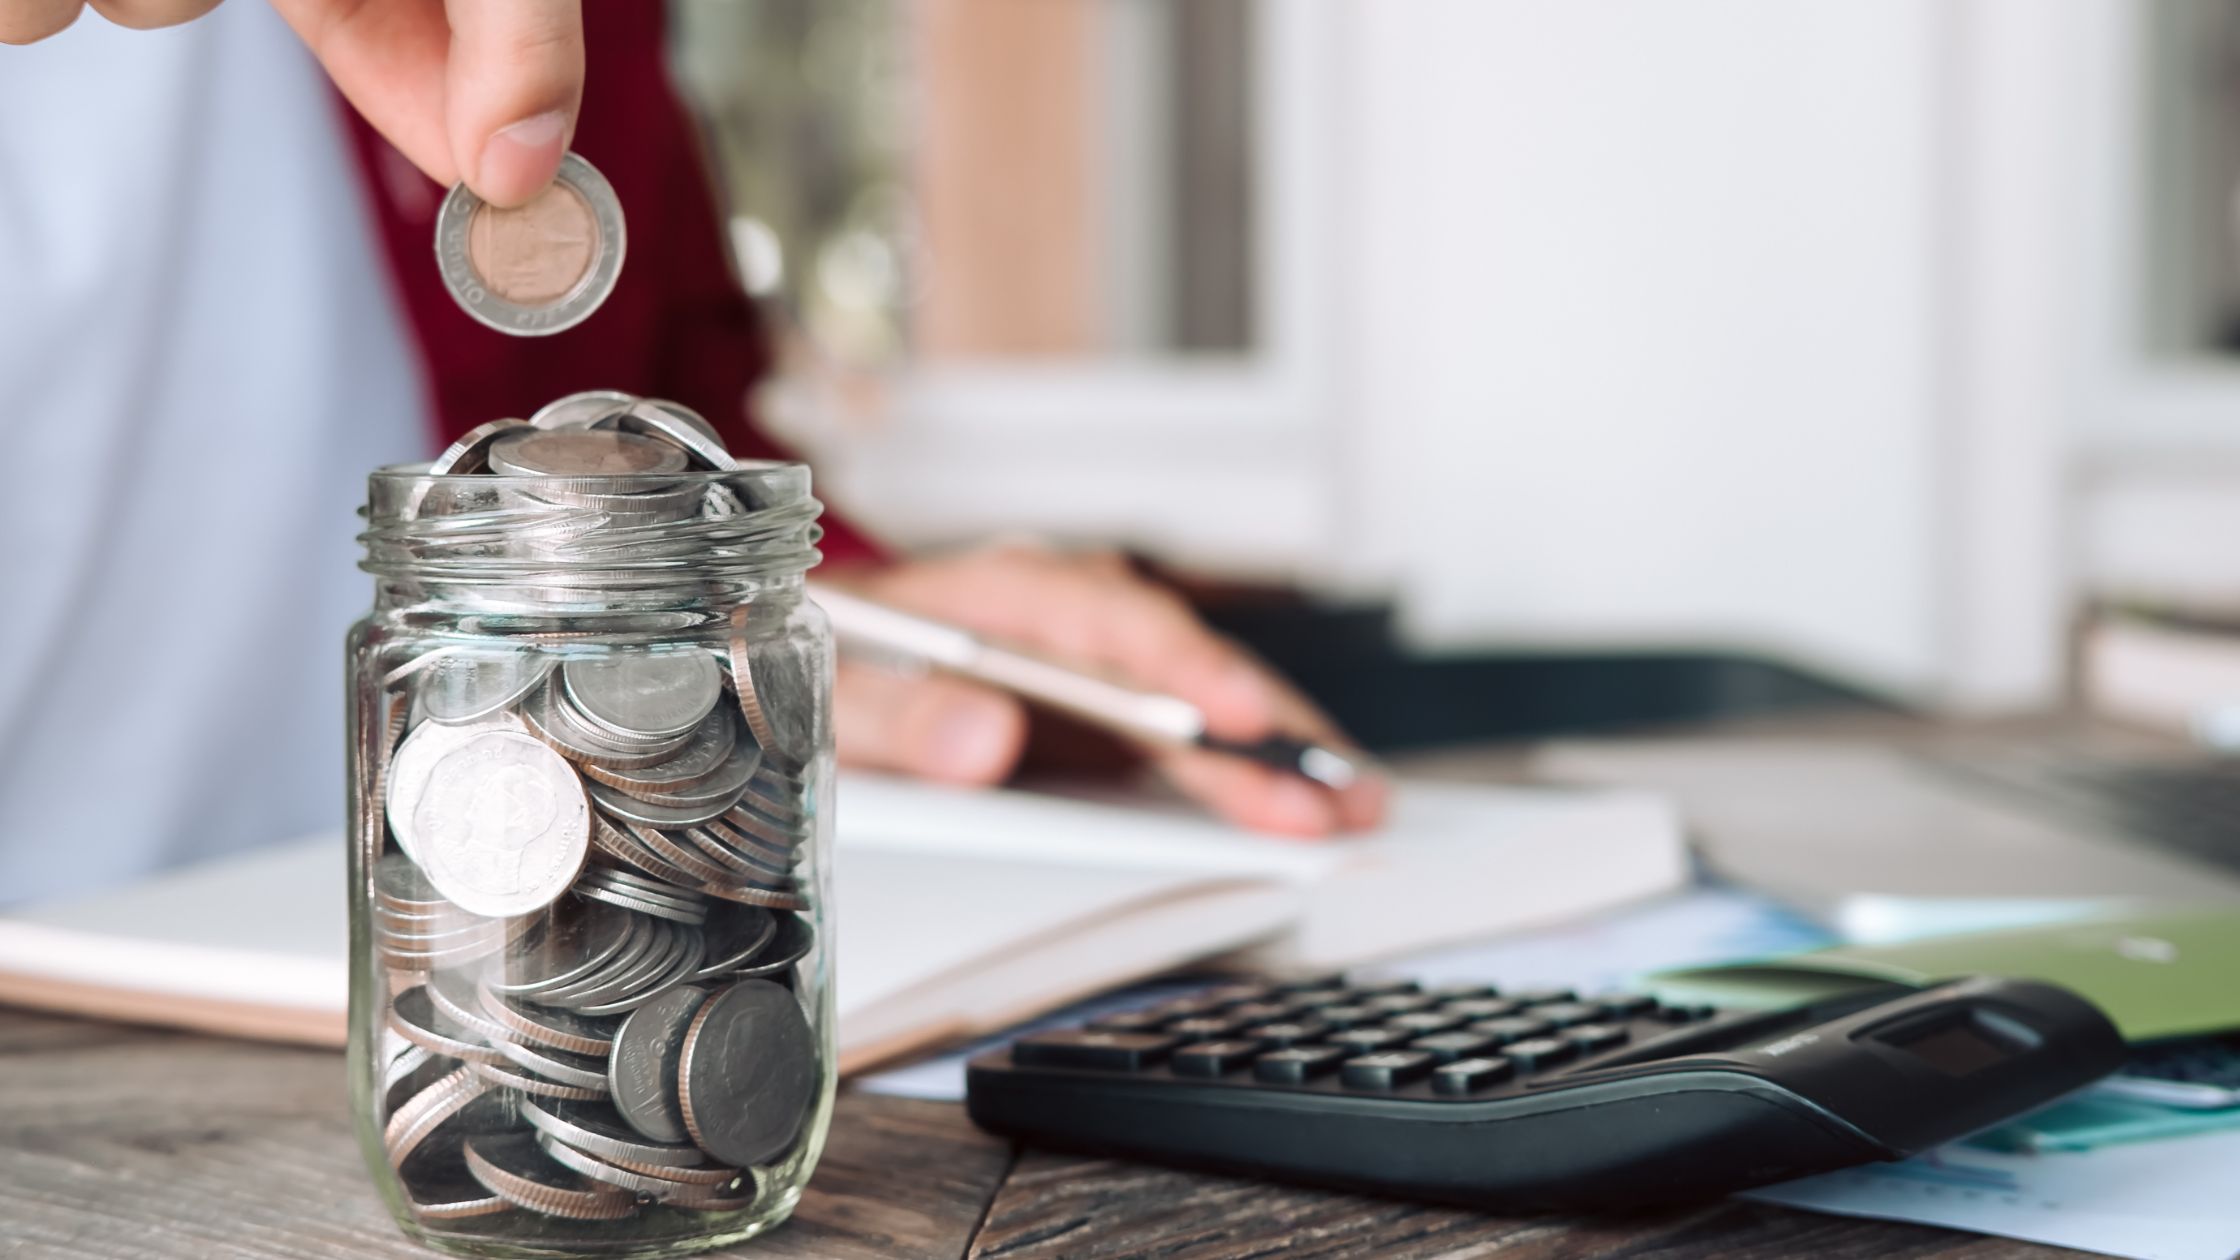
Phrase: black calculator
(1540, 1099)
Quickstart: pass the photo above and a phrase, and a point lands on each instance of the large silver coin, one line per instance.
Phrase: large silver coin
(776, 677)
(682, 427)
(583, 411)
(406, 780)
(503, 824)
(644, 695)
(470, 686)
(533, 452)
(749, 1073)
(642, 1070)
(538, 268)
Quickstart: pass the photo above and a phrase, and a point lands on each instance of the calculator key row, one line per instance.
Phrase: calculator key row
(1285, 1060)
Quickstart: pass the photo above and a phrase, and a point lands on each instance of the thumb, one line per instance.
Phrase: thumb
(935, 727)
(512, 84)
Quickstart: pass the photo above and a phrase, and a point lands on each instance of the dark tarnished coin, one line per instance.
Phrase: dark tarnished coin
(776, 677)
(642, 1071)
(733, 936)
(791, 944)
(512, 1166)
(749, 1074)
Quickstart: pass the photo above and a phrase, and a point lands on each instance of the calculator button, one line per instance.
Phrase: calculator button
(1213, 1058)
(1400, 1003)
(1620, 1005)
(1367, 1040)
(1129, 1021)
(1263, 1012)
(1289, 1032)
(1320, 997)
(1423, 1022)
(1385, 1070)
(1327, 980)
(1190, 1007)
(1297, 1065)
(1592, 1037)
(1203, 1027)
(1233, 993)
(1482, 1008)
(1088, 1048)
(1464, 1075)
(1462, 992)
(1447, 1047)
(1684, 1013)
(1512, 1028)
(1538, 1053)
(1566, 1014)
(1540, 997)
(1348, 1016)
(1383, 988)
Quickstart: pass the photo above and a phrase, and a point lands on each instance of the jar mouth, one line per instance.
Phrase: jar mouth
(587, 543)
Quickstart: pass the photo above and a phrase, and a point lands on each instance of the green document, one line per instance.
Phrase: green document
(2166, 973)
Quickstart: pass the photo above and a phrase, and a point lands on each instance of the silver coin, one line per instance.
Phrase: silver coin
(511, 1077)
(443, 1191)
(558, 1065)
(624, 975)
(600, 1129)
(533, 452)
(629, 809)
(671, 911)
(722, 786)
(414, 1018)
(441, 1115)
(644, 695)
(400, 885)
(642, 1071)
(793, 941)
(777, 680)
(684, 965)
(503, 823)
(650, 1184)
(583, 411)
(562, 950)
(749, 1073)
(615, 843)
(458, 999)
(539, 269)
(533, 1024)
(550, 717)
(683, 428)
(733, 936)
(740, 860)
(467, 687)
(513, 1167)
(415, 760)
(712, 747)
(470, 454)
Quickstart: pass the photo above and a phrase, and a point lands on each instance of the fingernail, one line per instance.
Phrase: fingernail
(974, 741)
(1297, 806)
(521, 159)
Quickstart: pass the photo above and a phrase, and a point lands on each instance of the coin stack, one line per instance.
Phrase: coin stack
(589, 907)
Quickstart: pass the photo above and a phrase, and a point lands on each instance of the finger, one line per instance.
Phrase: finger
(1361, 804)
(388, 58)
(29, 21)
(1252, 795)
(515, 81)
(939, 728)
(147, 15)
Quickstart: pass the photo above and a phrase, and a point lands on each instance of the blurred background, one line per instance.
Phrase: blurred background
(1736, 353)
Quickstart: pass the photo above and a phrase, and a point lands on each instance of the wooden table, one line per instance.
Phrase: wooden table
(125, 1143)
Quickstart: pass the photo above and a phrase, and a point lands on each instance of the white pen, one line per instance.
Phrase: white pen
(874, 629)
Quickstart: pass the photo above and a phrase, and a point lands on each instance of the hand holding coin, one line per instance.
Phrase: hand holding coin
(482, 93)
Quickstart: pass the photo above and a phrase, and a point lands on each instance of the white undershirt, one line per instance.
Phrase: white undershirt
(200, 359)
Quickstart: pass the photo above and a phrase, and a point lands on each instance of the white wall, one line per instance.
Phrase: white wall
(1643, 322)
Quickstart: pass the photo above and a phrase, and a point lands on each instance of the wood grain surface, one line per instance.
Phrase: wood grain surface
(121, 1143)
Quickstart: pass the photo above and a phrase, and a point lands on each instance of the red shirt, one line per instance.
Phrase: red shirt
(677, 325)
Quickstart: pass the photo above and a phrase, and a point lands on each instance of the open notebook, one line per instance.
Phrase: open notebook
(957, 911)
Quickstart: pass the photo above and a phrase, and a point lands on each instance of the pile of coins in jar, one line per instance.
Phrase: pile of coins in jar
(587, 902)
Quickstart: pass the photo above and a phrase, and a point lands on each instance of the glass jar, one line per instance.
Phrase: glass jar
(591, 1000)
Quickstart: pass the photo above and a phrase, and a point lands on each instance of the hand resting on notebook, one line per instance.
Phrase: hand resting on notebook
(1094, 609)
